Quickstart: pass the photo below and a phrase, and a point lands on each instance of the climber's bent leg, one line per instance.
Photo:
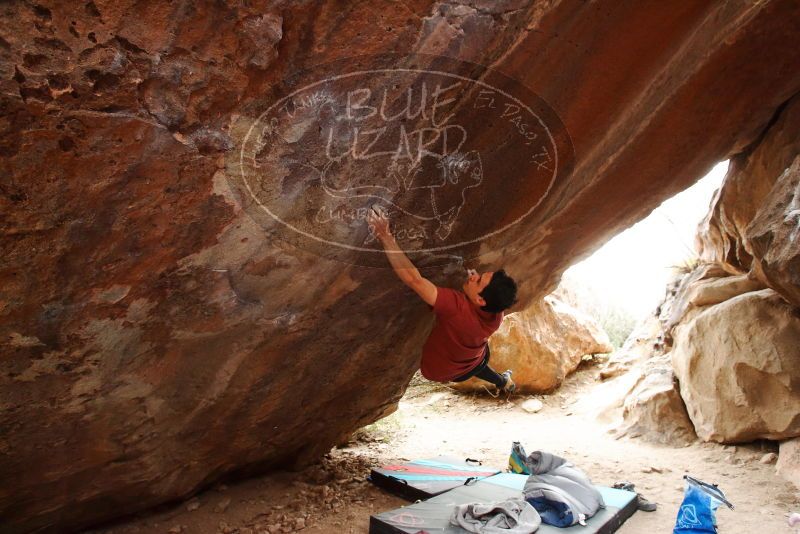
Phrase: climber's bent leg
(490, 375)
(484, 372)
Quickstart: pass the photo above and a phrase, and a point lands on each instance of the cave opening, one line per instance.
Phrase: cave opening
(624, 280)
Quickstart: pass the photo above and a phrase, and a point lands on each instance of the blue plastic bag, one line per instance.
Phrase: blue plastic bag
(696, 514)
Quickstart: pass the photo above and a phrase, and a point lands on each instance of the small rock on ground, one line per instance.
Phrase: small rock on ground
(222, 505)
(532, 405)
(769, 458)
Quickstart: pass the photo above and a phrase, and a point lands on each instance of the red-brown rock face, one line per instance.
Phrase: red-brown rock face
(158, 332)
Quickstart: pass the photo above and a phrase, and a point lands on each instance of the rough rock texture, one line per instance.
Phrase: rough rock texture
(747, 348)
(685, 293)
(644, 398)
(643, 403)
(747, 242)
(707, 292)
(754, 223)
(639, 347)
(788, 465)
(542, 344)
(155, 337)
(650, 405)
(640, 396)
(678, 303)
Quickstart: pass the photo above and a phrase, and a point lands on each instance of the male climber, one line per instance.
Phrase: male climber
(457, 347)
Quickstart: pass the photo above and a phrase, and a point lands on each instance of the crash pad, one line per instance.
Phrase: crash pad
(422, 479)
(433, 515)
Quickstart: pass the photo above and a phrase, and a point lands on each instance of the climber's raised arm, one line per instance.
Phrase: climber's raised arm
(400, 263)
(457, 347)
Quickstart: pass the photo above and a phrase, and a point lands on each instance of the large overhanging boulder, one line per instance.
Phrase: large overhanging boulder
(158, 332)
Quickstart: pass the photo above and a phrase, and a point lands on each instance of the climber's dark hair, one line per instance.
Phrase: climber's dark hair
(500, 294)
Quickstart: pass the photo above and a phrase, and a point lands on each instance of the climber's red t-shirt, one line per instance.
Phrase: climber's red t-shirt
(458, 339)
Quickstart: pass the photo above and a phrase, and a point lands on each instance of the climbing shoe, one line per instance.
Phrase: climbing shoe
(644, 505)
(641, 502)
(509, 386)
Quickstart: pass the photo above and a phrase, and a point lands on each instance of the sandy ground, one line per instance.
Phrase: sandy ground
(433, 420)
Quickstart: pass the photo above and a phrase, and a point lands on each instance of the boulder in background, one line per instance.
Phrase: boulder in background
(738, 369)
(542, 344)
(788, 465)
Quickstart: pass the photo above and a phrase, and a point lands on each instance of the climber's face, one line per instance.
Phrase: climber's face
(475, 284)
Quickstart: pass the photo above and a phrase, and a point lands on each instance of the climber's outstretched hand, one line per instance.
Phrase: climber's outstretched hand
(379, 223)
(405, 270)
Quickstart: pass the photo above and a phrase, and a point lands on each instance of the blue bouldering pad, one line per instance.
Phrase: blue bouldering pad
(422, 479)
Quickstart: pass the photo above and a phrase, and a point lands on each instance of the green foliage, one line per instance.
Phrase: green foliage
(385, 428)
(687, 265)
(613, 318)
(617, 322)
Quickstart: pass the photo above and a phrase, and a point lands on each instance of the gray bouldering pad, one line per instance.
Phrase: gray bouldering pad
(433, 515)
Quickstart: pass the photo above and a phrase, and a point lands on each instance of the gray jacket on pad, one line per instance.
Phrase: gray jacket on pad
(512, 516)
(555, 482)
